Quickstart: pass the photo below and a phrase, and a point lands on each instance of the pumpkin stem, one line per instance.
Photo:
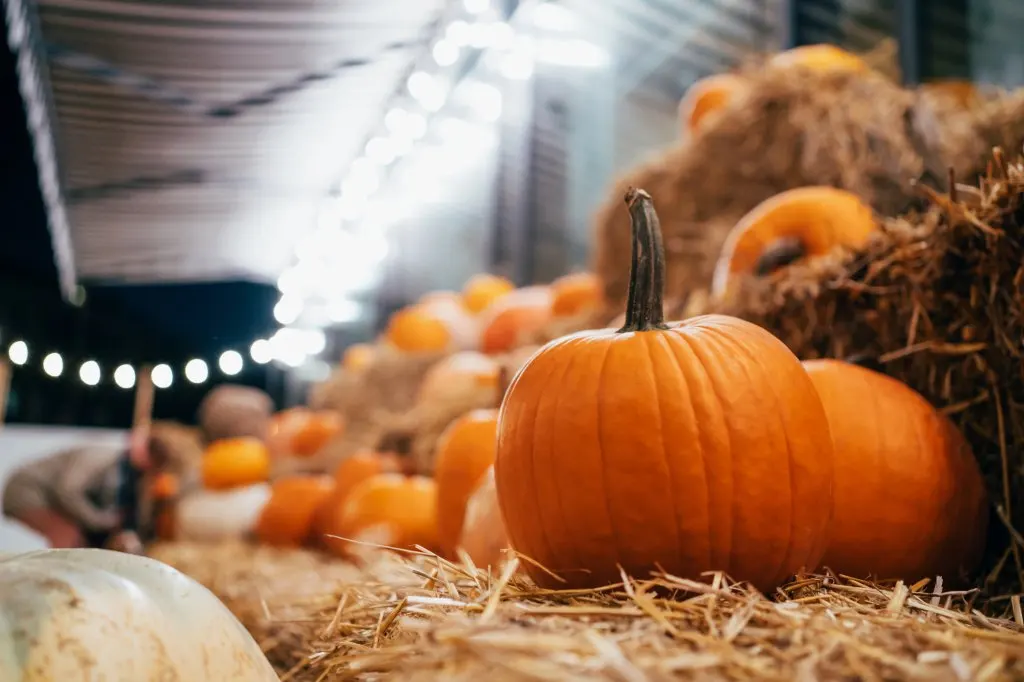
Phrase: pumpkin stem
(778, 254)
(645, 308)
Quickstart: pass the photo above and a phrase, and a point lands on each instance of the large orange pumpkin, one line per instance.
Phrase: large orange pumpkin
(416, 329)
(358, 357)
(512, 321)
(799, 223)
(465, 452)
(387, 509)
(348, 475)
(910, 501)
(575, 294)
(287, 518)
(697, 446)
(482, 290)
(706, 97)
(235, 462)
(483, 531)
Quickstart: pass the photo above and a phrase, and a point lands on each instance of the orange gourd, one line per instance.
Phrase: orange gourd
(706, 97)
(483, 531)
(798, 223)
(695, 446)
(576, 294)
(357, 357)
(513, 320)
(348, 475)
(387, 509)
(465, 452)
(482, 290)
(415, 329)
(910, 501)
(821, 57)
(235, 462)
(287, 518)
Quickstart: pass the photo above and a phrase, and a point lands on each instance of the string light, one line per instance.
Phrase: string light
(89, 373)
(53, 365)
(197, 371)
(18, 352)
(261, 352)
(230, 362)
(163, 376)
(124, 377)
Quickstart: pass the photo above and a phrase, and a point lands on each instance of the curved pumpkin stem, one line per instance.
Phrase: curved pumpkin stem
(645, 309)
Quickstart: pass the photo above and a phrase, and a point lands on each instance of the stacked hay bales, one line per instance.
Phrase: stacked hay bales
(791, 128)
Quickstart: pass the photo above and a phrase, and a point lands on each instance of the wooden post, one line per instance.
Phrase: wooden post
(143, 414)
(138, 440)
(5, 389)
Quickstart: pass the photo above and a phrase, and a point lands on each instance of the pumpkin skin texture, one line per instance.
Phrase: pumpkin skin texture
(706, 97)
(235, 462)
(483, 531)
(465, 452)
(910, 501)
(821, 57)
(287, 517)
(480, 291)
(698, 446)
(576, 293)
(798, 223)
(76, 615)
(416, 330)
(388, 509)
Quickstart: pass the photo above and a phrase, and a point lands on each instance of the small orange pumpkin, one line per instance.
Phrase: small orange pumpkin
(482, 290)
(415, 329)
(465, 452)
(235, 462)
(798, 223)
(513, 320)
(483, 530)
(575, 294)
(358, 357)
(660, 444)
(706, 97)
(315, 431)
(348, 475)
(287, 518)
(821, 57)
(459, 374)
(387, 509)
(910, 501)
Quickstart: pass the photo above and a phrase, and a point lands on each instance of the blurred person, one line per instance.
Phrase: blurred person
(235, 411)
(96, 495)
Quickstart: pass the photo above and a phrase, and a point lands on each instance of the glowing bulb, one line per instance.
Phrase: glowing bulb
(420, 83)
(445, 52)
(261, 352)
(197, 371)
(162, 376)
(230, 362)
(476, 6)
(394, 119)
(288, 309)
(345, 310)
(89, 373)
(53, 365)
(458, 33)
(380, 150)
(18, 352)
(124, 376)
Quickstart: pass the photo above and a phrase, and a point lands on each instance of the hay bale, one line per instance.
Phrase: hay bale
(936, 300)
(794, 128)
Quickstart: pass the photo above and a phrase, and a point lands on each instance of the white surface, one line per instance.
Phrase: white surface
(22, 444)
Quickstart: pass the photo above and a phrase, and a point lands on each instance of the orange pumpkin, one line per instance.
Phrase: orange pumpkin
(315, 431)
(909, 501)
(513, 320)
(164, 486)
(287, 518)
(483, 290)
(416, 329)
(235, 462)
(465, 452)
(462, 325)
(821, 57)
(387, 509)
(662, 444)
(349, 474)
(576, 294)
(706, 97)
(483, 531)
(459, 374)
(357, 357)
(799, 223)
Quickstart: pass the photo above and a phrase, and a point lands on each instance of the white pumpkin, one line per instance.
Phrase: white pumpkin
(79, 615)
(218, 515)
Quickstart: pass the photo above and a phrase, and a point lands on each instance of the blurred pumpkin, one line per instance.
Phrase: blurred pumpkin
(660, 445)
(964, 93)
(349, 474)
(909, 498)
(480, 291)
(706, 97)
(822, 57)
(357, 357)
(515, 319)
(483, 530)
(792, 225)
(415, 329)
(234, 462)
(463, 327)
(220, 515)
(301, 432)
(460, 374)
(387, 509)
(575, 294)
(465, 452)
(440, 297)
(287, 517)
(164, 486)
